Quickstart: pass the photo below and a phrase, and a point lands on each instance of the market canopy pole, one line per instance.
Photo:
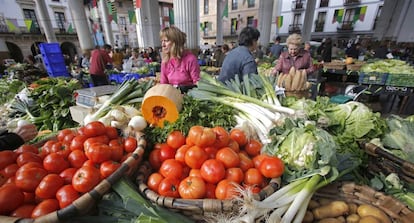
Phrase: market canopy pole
(308, 21)
(186, 18)
(80, 21)
(45, 21)
(106, 23)
(222, 15)
(265, 24)
(148, 23)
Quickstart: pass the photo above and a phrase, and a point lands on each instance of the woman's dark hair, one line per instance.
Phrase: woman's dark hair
(247, 35)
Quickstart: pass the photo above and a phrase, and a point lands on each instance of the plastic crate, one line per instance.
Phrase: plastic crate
(53, 58)
(131, 76)
(116, 78)
(50, 48)
(400, 80)
(373, 78)
(58, 74)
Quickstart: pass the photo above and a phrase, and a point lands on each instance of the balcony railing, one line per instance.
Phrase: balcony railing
(345, 26)
(351, 2)
(297, 5)
(324, 3)
(295, 28)
(319, 26)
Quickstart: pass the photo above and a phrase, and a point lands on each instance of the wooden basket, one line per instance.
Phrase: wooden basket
(334, 65)
(363, 194)
(87, 202)
(354, 67)
(195, 209)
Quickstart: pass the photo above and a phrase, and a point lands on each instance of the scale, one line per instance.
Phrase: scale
(89, 97)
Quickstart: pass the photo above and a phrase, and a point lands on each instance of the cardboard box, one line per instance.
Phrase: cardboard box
(78, 113)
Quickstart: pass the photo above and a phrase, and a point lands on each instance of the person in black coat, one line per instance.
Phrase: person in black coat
(12, 140)
(326, 53)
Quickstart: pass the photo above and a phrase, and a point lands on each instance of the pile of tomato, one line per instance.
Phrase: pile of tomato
(210, 163)
(37, 181)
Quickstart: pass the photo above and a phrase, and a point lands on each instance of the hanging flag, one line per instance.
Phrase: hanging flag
(340, 15)
(202, 27)
(94, 3)
(29, 24)
(11, 25)
(132, 17)
(334, 16)
(171, 16)
(362, 13)
(112, 12)
(279, 21)
(234, 24)
(137, 4)
(356, 14)
(70, 28)
(225, 10)
(254, 23)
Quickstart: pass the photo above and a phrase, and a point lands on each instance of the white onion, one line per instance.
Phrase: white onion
(23, 122)
(138, 123)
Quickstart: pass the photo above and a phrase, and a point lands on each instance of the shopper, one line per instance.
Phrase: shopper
(99, 60)
(118, 59)
(326, 54)
(276, 49)
(12, 140)
(240, 60)
(179, 66)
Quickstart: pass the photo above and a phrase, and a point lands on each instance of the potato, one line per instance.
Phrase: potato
(332, 210)
(352, 218)
(369, 210)
(352, 208)
(313, 204)
(341, 219)
(369, 219)
(329, 220)
(308, 218)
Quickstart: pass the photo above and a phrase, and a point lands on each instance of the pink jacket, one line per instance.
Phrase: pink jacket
(184, 72)
(302, 61)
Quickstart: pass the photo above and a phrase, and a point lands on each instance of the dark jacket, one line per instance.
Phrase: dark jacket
(9, 140)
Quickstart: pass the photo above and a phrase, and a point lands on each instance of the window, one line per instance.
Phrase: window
(126, 40)
(233, 28)
(30, 14)
(324, 3)
(122, 20)
(377, 17)
(349, 15)
(320, 22)
(250, 21)
(55, 0)
(296, 18)
(205, 30)
(250, 3)
(234, 4)
(205, 6)
(120, 4)
(60, 21)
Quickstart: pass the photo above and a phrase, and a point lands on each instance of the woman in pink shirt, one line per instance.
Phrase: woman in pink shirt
(179, 66)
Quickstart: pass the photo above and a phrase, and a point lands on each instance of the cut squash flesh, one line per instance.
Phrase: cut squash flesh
(161, 103)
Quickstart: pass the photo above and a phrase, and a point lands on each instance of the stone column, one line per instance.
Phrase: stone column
(106, 24)
(148, 24)
(45, 21)
(308, 21)
(186, 18)
(4, 51)
(80, 21)
(265, 22)
(221, 5)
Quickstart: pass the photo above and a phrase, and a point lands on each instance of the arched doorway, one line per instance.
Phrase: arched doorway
(69, 49)
(34, 48)
(15, 52)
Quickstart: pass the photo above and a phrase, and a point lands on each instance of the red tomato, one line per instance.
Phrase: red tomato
(212, 171)
(222, 137)
(92, 164)
(10, 170)
(28, 179)
(117, 152)
(24, 211)
(66, 195)
(201, 136)
(11, 197)
(175, 139)
(257, 160)
(27, 148)
(76, 158)
(239, 136)
(168, 187)
(180, 153)
(81, 131)
(166, 152)
(46, 148)
(45, 207)
(211, 151)
(253, 147)
(245, 162)
(26, 157)
(195, 173)
(61, 148)
(130, 144)
(68, 174)
(210, 191)
(98, 152)
(86, 178)
(55, 163)
(234, 145)
(192, 188)
(253, 177)
(68, 138)
(155, 159)
(29, 165)
(62, 133)
(272, 167)
(171, 168)
(7, 157)
(3, 178)
(111, 132)
(29, 198)
(101, 139)
(228, 157)
(77, 142)
(195, 157)
(225, 189)
(49, 185)
(235, 174)
(94, 128)
(108, 167)
(154, 181)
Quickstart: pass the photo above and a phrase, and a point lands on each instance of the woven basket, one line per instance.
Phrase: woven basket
(87, 202)
(362, 194)
(354, 67)
(195, 209)
(334, 65)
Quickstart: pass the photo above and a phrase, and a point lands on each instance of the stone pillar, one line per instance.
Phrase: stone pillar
(265, 24)
(148, 24)
(4, 51)
(221, 5)
(106, 24)
(80, 21)
(45, 21)
(186, 18)
(308, 21)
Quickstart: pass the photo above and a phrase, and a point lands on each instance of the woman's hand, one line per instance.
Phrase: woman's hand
(26, 132)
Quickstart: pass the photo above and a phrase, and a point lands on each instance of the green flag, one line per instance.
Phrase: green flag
(226, 10)
(279, 21)
(356, 15)
(171, 16)
(11, 27)
(70, 28)
(132, 17)
(29, 24)
(340, 15)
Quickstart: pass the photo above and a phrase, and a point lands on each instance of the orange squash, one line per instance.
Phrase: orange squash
(162, 102)
(349, 60)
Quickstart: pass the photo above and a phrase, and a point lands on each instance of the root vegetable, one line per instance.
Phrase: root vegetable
(308, 218)
(352, 218)
(369, 219)
(369, 210)
(352, 208)
(341, 219)
(313, 204)
(332, 210)
(329, 220)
